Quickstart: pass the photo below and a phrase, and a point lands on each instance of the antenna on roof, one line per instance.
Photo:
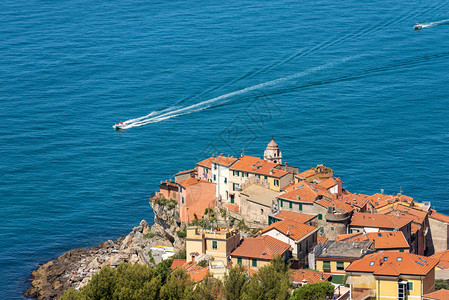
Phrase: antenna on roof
(243, 152)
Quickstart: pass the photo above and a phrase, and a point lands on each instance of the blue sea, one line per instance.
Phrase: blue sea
(348, 84)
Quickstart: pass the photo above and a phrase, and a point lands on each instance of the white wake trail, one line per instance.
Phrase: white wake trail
(433, 24)
(174, 112)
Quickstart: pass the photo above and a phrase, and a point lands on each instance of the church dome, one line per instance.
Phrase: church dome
(273, 144)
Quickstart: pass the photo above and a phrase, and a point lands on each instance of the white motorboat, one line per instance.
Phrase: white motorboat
(119, 126)
(417, 27)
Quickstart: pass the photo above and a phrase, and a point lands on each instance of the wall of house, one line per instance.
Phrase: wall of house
(220, 176)
(197, 198)
(333, 263)
(204, 173)
(246, 262)
(306, 207)
(254, 211)
(304, 248)
(429, 282)
(194, 245)
(438, 235)
(334, 229)
(362, 281)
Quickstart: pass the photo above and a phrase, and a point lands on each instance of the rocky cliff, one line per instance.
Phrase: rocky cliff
(75, 268)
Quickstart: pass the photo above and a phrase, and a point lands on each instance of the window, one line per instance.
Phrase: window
(243, 174)
(233, 186)
(215, 166)
(254, 263)
(401, 250)
(215, 177)
(402, 290)
(225, 180)
(371, 263)
(332, 228)
(326, 265)
(340, 265)
(290, 205)
(322, 229)
(239, 261)
(237, 173)
(258, 176)
(214, 245)
(276, 182)
(282, 203)
(320, 216)
(410, 285)
(232, 200)
(265, 177)
(247, 174)
(300, 207)
(233, 173)
(399, 259)
(182, 198)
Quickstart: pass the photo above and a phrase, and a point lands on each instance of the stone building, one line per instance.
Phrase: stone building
(272, 153)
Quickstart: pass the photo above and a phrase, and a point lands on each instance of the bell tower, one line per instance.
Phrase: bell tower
(272, 153)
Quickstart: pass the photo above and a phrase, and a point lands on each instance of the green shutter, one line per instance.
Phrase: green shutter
(340, 265)
(238, 173)
(266, 177)
(326, 265)
(214, 245)
(290, 205)
(410, 286)
(232, 200)
(282, 203)
(254, 263)
(239, 261)
(401, 250)
(320, 216)
(300, 207)
(233, 186)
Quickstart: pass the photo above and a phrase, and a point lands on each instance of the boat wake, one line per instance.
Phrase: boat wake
(175, 111)
(433, 24)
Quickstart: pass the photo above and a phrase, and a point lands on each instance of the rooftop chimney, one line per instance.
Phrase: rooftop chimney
(271, 171)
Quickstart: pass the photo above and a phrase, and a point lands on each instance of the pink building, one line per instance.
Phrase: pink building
(205, 169)
(195, 195)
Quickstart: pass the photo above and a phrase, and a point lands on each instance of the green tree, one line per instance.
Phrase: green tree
(178, 286)
(234, 281)
(163, 270)
(314, 291)
(271, 282)
(441, 284)
(209, 289)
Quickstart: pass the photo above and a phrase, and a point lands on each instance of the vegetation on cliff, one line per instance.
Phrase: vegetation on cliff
(129, 281)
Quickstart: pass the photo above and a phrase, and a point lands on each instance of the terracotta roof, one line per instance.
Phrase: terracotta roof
(304, 191)
(382, 240)
(442, 294)
(378, 220)
(196, 272)
(390, 263)
(328, 183)
(349, 236)
(380, 200)
(443, 259)
(437, 216)
(307, 174)
(321, 240)
(177, 263)
(309, 276)
(343, 207)
(289, 228)
(399, 210)
(191, 181)
(264, 247)
(293, 216)
(186, 172)
(256, 165)
(224, 160)
(232, 206)
(358, 200)
(207, 162)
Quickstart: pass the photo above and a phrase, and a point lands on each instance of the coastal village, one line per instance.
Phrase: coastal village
(247, 210)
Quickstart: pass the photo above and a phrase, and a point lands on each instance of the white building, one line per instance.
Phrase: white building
(220, 176)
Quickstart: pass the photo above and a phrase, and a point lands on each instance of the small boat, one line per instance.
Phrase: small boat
(417, 27)
(119, 126)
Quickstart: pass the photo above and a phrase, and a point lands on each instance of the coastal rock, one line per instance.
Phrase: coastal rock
(75, 268)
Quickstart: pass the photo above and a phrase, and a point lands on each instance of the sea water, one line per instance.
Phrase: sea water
(347, 84)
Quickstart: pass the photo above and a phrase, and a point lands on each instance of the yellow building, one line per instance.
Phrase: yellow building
(392, 275)
(217, 243)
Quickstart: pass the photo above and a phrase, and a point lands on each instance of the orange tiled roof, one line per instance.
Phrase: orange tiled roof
(207, 162)
(443, 258)
(378, 220)
(289, 228)
(191, 181)
(309, 276)
(224, 160)
(294, 216)
(399, 209)
(232, 206)
(442, 294)
(328, 183)
(380, 200)
(196, 272)
(382, 240)
(321, 240)
(264, 247)
(337, 203)
(303, 190)
(349, 236)
(306, 174)
(391, 263)
(177, 263)
(256, 165)
(186, 171)
(437, 216)
(358, 200)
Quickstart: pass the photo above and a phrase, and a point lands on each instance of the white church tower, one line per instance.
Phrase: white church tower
(272, 153)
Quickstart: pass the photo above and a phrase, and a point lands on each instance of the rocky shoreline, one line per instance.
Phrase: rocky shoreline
(75, 268)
